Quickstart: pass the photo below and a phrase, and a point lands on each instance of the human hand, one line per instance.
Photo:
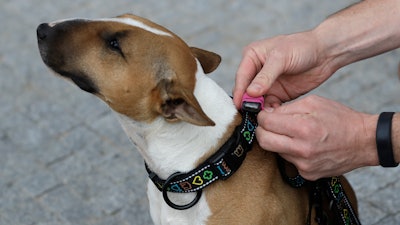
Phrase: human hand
(322, 138)
(287, 66)
(281, 68)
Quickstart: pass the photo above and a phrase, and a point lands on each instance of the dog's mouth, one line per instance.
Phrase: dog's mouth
(81, 80)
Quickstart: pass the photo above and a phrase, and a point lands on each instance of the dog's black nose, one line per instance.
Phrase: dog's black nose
(42, 31)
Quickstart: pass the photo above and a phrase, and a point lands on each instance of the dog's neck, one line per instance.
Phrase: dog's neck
(170, 147)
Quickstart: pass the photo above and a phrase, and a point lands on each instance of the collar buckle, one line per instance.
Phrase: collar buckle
(252, 104)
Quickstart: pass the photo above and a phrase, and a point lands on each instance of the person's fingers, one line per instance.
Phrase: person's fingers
(282, 132)
(275, 123)
(272, 101)
(248, 68)
(304, 105)
(274, 142)
(272, 68)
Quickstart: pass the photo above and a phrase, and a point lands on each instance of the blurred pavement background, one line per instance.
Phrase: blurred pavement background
(64, 160)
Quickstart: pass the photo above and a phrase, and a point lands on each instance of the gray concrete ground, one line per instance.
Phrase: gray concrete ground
(64, 160)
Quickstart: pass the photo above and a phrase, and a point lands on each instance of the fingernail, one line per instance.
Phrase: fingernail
(255, 87)
(268, 109)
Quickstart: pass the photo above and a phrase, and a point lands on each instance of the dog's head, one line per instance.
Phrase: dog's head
(137, 67)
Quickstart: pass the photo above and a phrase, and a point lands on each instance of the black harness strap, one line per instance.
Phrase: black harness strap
(296, 181)
(330, 189)
(340, 203)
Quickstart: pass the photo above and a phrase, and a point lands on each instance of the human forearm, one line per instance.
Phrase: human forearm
(363, 30)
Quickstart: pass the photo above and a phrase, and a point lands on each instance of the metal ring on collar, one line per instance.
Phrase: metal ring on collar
(173, 205)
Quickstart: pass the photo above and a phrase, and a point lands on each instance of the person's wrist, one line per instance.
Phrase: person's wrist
(368, 151)
(325, 46)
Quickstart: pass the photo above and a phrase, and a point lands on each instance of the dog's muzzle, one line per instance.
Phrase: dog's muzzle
(53, 53)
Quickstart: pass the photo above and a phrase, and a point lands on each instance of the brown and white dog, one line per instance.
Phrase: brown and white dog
(173, 113)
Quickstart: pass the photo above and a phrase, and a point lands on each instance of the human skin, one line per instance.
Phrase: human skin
(321, 137)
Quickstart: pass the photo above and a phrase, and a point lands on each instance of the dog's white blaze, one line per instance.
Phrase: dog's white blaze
(52, 24)
(136, 23)
(127, 21)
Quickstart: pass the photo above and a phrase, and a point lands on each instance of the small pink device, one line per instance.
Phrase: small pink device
(252, 104)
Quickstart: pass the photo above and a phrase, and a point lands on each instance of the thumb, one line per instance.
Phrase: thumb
(263, 81)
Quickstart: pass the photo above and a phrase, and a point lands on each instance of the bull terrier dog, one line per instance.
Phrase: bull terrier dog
(190, 134)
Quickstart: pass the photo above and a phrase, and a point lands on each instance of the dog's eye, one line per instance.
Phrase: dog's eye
(114, 44)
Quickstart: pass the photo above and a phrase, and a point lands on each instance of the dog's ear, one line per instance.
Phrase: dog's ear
(178, 104)
(208, 60)
(180, 109)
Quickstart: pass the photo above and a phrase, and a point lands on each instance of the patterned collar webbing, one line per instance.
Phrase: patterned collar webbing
(219, 166)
